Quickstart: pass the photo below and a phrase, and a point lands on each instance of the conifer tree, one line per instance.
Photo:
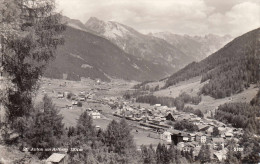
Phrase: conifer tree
(148, 154)
(29, 43)
(118, 137)
(45, 129)
(204, 154)
(215, 132)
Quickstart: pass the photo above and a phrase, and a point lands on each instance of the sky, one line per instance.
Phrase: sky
(192, 17)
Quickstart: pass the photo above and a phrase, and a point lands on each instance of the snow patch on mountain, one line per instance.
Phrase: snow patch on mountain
(114, 30)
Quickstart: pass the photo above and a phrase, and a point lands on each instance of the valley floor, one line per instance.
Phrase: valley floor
(99, 95)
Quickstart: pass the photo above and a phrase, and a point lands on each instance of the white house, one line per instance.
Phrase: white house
(229, 135)
(203, 139)
(60, 95)
(95, 114)
(81, 98)
(185, 139)
(166, 136)
(74, 102)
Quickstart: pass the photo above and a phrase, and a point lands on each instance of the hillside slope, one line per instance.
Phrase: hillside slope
(88, 55)
(229, 71)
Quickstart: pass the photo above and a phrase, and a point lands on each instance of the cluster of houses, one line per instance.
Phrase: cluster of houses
(76, 100)
(186, 141)
(157, 117)
(154, 115)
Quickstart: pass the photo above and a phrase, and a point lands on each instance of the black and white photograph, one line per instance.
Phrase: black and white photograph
(129, 82)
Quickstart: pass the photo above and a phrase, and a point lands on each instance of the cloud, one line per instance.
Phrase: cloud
(194, 17)
(241, 18)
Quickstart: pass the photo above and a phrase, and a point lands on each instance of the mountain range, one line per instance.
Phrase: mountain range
(198, 47)
(88, 55)
(105, 50)
(228, 71)
(139, 45)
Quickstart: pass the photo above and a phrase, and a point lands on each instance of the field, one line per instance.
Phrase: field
(209, 103)
(191, 86)
(144, 137)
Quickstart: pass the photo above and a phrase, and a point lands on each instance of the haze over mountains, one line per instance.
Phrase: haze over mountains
(197, 46)
(104, 50)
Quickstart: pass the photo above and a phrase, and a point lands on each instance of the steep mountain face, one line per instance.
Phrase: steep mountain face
(87, 55)
(142, 46)
(198, 47)
(229, 70)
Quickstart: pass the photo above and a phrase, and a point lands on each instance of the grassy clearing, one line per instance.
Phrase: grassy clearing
(191, 87)
(209, 103)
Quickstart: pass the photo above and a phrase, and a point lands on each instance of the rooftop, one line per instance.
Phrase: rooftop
(217, 139)
(56, 157)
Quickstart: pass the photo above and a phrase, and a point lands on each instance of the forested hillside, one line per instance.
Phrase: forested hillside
(240, 115)
(229, 70)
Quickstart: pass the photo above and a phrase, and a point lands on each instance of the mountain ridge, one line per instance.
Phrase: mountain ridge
(198, 46)
(142, 46)
(230, 70)
(87, 55)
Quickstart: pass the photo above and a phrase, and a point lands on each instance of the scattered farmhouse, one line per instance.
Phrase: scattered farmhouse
(60, 95)
(95, 114)
(74, 102)
(166, 136)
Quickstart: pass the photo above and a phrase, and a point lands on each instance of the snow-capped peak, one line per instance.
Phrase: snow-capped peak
(108, 29)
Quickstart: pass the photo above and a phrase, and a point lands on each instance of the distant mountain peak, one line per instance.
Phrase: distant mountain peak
(77, 24)
(196, 46)
(108, 29)
(94, 20)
